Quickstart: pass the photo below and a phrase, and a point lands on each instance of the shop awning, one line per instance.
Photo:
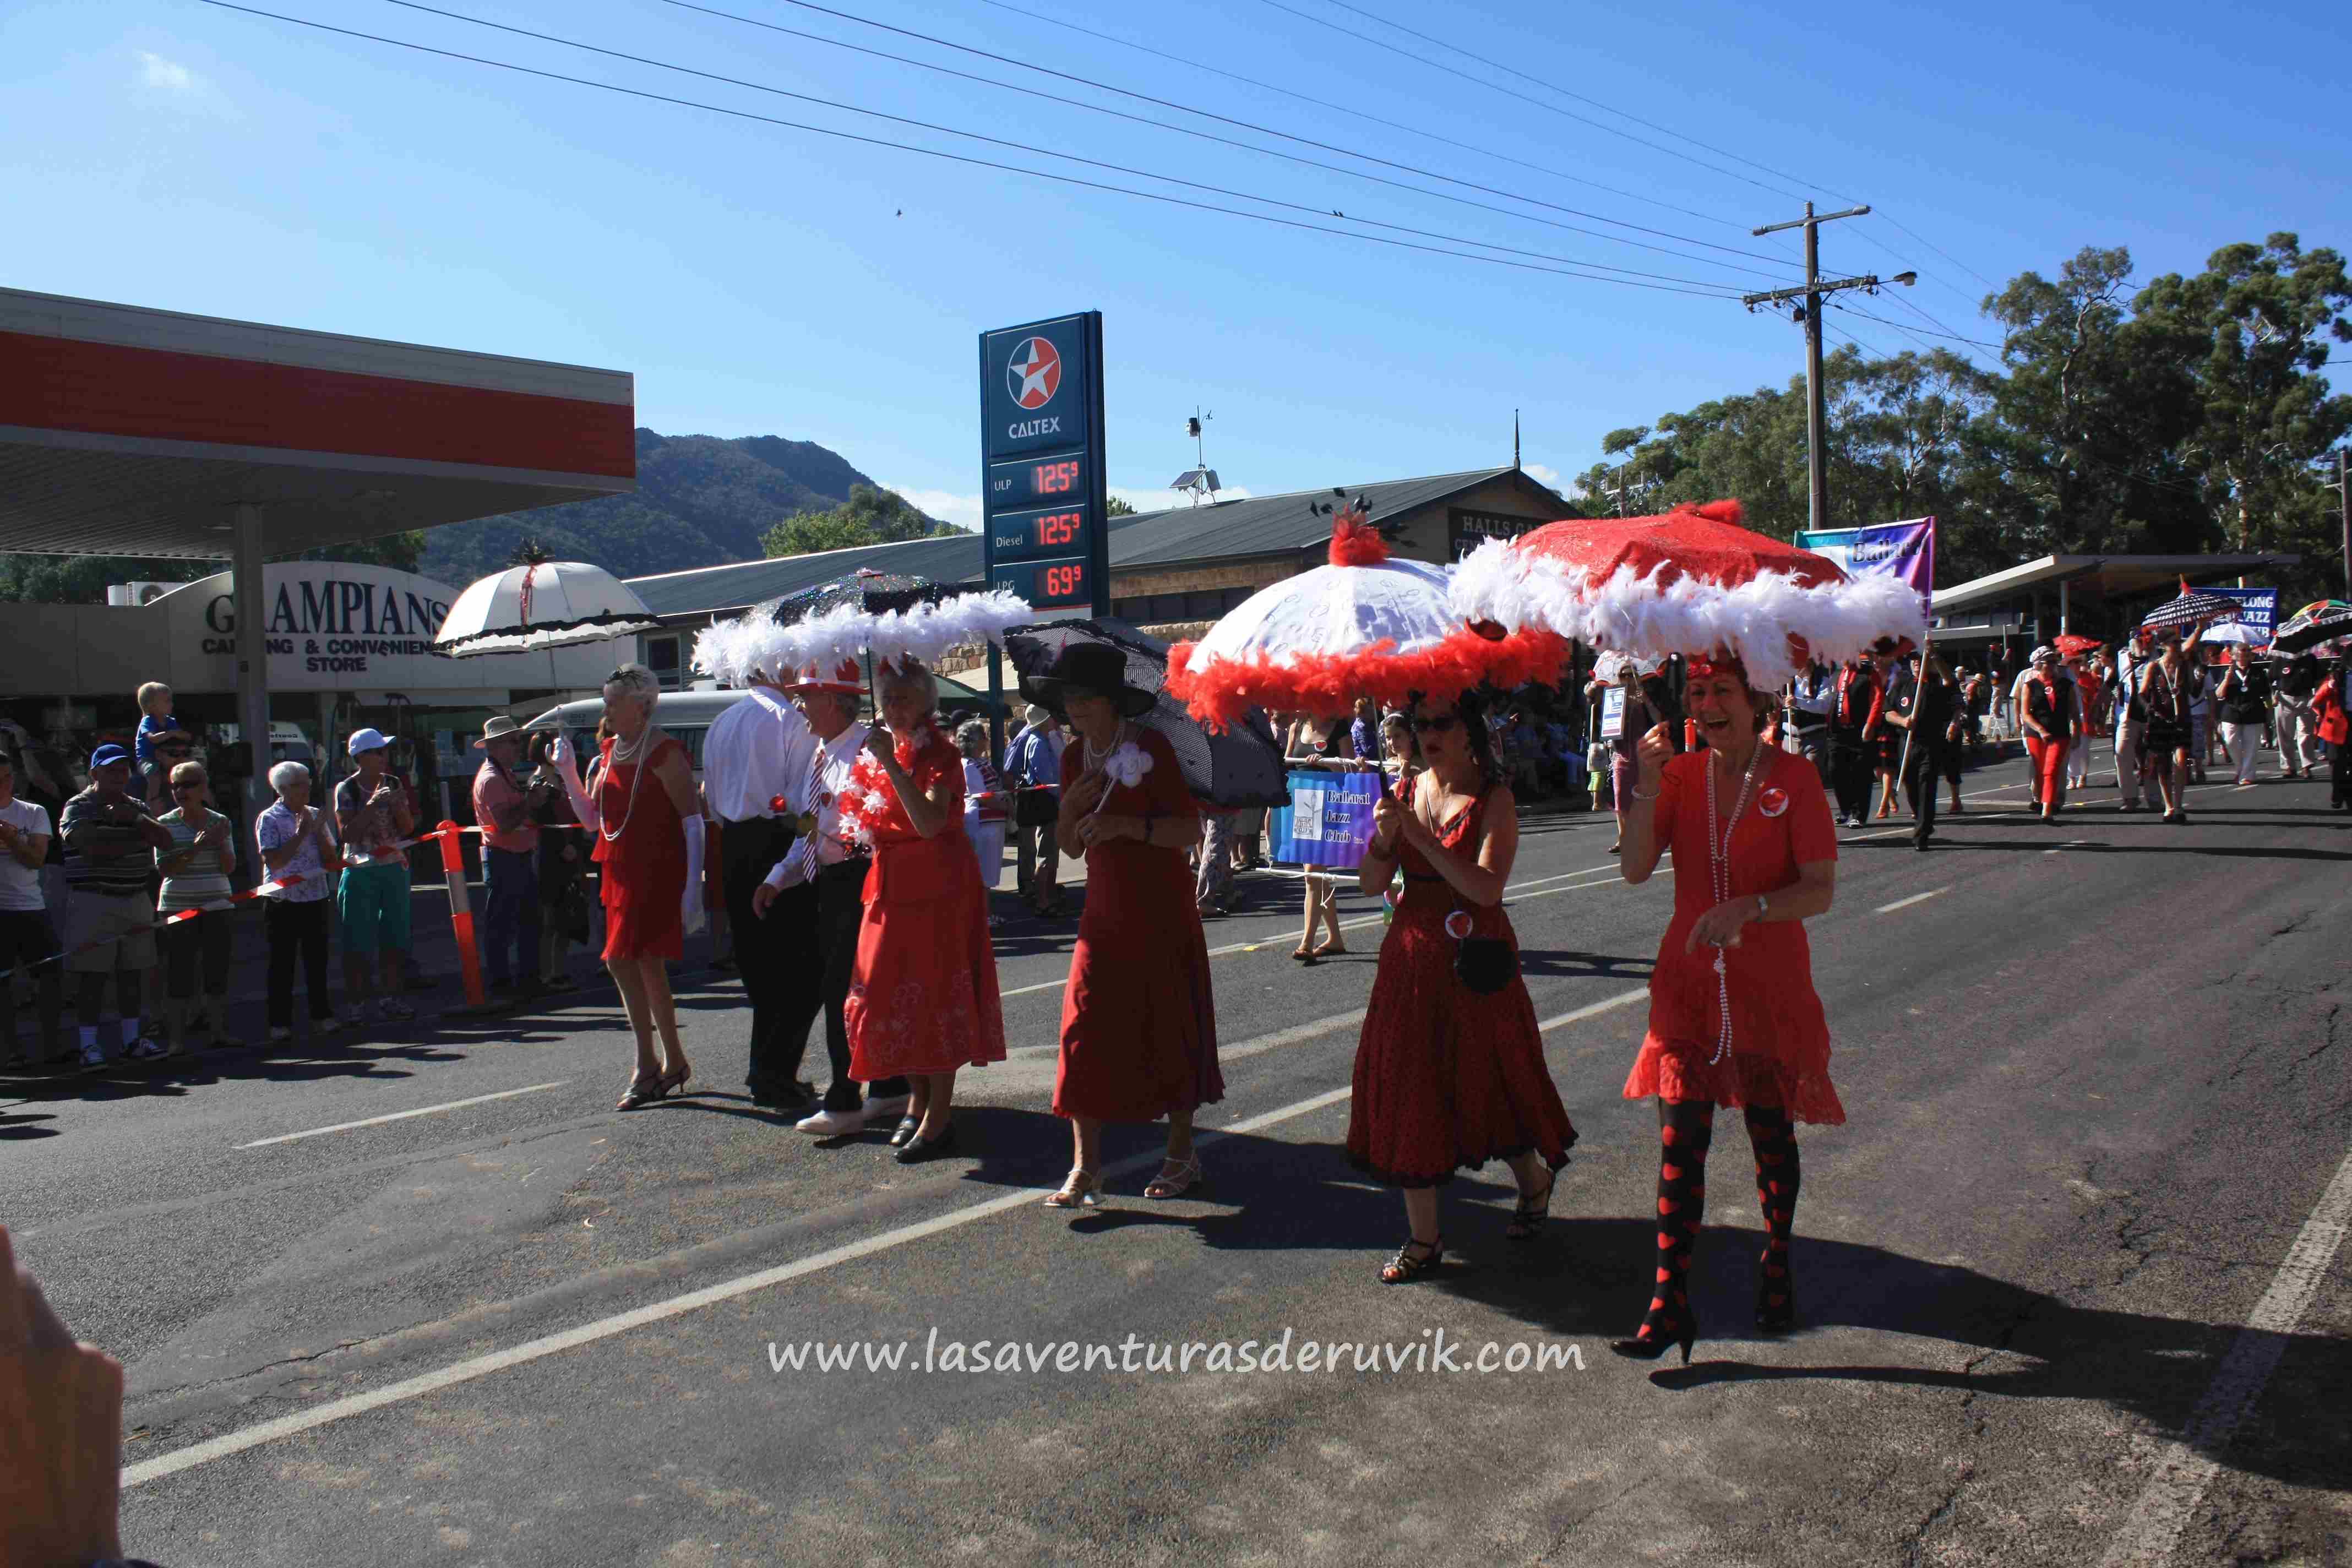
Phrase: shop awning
(126, 431)
(2102, 577)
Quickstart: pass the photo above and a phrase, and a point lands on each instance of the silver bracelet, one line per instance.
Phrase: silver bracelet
(1637, 795)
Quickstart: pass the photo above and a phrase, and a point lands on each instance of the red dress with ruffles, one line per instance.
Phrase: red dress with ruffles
(922, 997)
(1139, 1021)
(1779, 1054)
(1446, 1079)
(645, 862)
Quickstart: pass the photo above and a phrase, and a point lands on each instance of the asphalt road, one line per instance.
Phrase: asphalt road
(2098, 1125)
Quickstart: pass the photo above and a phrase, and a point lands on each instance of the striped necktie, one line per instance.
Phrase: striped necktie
(802, 853)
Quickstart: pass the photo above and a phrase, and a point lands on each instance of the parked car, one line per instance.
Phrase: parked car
(689, 716)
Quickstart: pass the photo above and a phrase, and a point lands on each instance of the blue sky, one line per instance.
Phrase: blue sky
(761, 280)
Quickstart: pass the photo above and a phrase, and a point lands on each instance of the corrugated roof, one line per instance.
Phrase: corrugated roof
(1268, 525)
(1229, 530)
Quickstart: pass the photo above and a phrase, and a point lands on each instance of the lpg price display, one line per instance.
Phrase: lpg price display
(1053, 585)
(1046, 530)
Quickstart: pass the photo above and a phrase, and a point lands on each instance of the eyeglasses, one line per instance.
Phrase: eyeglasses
(1438, 725)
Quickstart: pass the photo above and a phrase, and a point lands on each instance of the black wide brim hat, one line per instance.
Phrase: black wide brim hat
(1088, 669)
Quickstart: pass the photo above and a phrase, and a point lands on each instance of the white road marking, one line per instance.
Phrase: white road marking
(401, 1115)
(1606, 1004)
(1914, 899)
(2187, 1465)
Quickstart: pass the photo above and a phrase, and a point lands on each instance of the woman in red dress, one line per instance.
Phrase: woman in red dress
(1447, 1078)
(922, 999)
(649, 840)
(1139, 1022)
(1733, 1016)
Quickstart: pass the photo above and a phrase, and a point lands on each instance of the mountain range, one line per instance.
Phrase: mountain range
(700, 501)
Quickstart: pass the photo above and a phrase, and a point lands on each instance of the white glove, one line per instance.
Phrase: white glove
(583, 804)
(690, 910)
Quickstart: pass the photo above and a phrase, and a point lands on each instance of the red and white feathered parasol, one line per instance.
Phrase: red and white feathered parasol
(1363, 626)
(1690, 582)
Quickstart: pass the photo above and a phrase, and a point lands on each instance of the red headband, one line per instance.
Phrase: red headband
(1714, 664)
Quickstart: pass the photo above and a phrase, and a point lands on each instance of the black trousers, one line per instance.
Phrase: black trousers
(1852, 763)
(1922, 773)
(296, 930)
(775, 960)
(823, 918)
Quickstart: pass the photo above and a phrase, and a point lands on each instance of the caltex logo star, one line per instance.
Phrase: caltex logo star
(1034, 373)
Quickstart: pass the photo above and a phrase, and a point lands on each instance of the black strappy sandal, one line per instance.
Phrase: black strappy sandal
(1528, 1219)
(1405, 1268)
(643, 1090)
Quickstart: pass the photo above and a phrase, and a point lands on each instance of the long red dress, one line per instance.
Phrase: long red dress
(1779, 1054)
(1446, 1079)
(1139, 1021)
(644, 863)
(922, 999)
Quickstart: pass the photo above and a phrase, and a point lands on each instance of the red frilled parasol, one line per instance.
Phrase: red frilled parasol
(1363, 626)
(2073, 645)
(1691, 581)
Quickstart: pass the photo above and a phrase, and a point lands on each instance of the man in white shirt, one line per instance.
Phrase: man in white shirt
(2131, 662)
(27, 936)
(812, 900)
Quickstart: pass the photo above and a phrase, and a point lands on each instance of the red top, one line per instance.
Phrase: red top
(1780, 1048)
(644, 859)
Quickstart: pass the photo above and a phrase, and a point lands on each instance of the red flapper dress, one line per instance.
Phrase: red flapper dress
(1139, 1021)
(1446, 1079)
(645, 861)
(1780, 1050)
(922, 999)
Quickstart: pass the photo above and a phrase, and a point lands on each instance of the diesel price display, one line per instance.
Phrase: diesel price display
(1041, 531)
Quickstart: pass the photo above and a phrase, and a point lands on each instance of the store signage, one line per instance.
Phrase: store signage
(1466, 530)
(1043, 496)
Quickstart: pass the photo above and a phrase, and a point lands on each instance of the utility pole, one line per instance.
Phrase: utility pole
(1817, 485)
(2344, 504)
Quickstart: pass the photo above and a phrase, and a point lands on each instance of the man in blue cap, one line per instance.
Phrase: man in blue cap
(111, 844)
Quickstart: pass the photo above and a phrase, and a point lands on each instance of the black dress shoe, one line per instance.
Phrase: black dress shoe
(906, 1129)
(915, 1151)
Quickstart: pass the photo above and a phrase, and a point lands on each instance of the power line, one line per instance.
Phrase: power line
(1222, 118)
(1604, 108)
(1942, 252)
(1540, 103)
(1915, 331)
(1069, 157)
(949, 157)
(1360, 114)
(1937, 321)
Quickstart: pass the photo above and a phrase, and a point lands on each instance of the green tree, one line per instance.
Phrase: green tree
(870, 516)
(1118, 507)
(2261, 318)
(84, 579)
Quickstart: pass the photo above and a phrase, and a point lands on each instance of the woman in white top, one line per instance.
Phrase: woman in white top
(296, 841)
(986, 803)
(195, 873)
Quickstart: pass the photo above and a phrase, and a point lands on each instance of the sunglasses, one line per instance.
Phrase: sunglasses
(1438, 725)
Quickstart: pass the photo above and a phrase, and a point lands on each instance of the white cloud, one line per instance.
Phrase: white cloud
(945, 505)
(1543, 474)
(168, 75)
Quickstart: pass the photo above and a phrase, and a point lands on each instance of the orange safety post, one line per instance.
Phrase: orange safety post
(461, 913)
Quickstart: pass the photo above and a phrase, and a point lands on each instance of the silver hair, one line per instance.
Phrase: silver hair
(971, 737)
(285, 774)
(911, 673)
(633, 680)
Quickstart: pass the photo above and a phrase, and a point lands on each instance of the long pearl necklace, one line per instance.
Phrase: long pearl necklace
(625, 751)
(1718, 865)
(1093, 760)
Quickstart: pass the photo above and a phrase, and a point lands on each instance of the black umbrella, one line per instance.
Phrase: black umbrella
(1241, 767)
(2194, 604)
(2313, 624)
(872, 591)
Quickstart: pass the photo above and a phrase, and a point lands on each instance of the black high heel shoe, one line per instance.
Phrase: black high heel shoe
(1656, 1332)
(1776, 1300)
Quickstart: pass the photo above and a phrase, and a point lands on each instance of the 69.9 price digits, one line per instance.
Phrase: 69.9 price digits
(1058, 583)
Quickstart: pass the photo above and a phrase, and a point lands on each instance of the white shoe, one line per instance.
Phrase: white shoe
(94, 1057)
(144, 1049)
(832, 1123)
(280, 1035)
(888, 1108)
(330, 1025)
(391, 1011)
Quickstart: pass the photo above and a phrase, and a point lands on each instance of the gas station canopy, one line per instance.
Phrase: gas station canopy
(126, 431)
(2101, 576)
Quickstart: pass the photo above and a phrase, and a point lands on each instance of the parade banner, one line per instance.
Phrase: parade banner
(1905, 549)
(2257, 610)
(1328, 821)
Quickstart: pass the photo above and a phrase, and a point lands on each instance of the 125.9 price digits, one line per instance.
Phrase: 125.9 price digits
(1059, 528)
(1055, 478)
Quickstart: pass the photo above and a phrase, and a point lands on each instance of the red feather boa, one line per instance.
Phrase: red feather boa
(1329, 683)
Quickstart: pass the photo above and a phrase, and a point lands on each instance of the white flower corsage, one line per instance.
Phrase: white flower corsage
(1126, 767)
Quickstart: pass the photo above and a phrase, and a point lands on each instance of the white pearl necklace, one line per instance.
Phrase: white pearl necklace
(1718, 865)
(613, 836)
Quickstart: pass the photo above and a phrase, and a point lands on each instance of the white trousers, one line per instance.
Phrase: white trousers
(2245, 743)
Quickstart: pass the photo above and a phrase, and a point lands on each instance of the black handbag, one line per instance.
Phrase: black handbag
(1037, 808)
(1484, 964)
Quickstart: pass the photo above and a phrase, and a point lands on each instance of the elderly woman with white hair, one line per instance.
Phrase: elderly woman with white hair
(923, 999)
(649, 839)
(296, 841)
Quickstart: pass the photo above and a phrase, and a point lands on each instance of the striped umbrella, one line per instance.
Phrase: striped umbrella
(2194, 604)
(2313, 624)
